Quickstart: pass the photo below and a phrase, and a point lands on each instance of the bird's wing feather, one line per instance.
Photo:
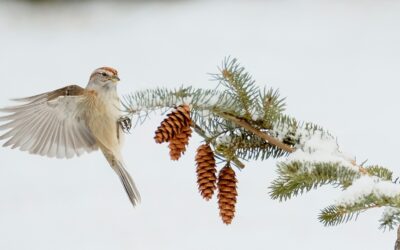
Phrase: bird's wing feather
(49, 124)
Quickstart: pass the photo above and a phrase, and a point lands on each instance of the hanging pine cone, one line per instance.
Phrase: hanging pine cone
(173, 125)
(227, 193)
(177, 145)
(206, 177)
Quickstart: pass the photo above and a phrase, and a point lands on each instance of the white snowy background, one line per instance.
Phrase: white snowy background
(336, 61)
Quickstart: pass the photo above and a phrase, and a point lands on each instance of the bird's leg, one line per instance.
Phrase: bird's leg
(125, 123)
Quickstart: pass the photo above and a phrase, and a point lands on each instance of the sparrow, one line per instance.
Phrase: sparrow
(70, 121)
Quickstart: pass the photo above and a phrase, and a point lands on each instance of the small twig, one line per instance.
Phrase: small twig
(271, 140)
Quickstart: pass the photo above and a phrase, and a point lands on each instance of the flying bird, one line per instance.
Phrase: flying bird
(70, 121)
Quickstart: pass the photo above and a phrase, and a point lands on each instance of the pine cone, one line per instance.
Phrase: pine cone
(173, 125)
(177, 145)
(227, 194)
(206, 177)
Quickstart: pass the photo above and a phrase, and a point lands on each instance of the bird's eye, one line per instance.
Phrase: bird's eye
(103, 74)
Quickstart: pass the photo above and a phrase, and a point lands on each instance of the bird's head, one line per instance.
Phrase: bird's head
(105, 77)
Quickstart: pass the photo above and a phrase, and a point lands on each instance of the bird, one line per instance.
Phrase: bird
(72, 120)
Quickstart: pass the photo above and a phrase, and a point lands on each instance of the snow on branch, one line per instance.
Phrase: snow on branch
(318, 161)
(366, 186)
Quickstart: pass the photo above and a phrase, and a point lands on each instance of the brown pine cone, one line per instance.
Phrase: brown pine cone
(177, 145)
(227, 194)
(206, 169)
(173, 125)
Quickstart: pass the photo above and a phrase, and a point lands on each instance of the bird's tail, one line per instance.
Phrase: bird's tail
(126, 179)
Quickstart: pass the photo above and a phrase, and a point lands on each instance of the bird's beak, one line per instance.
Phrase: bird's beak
(115, 79)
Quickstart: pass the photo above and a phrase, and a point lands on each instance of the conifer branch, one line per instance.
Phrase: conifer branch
(390, 218)
(242, 122)
(240, 86)
(336, 214)
(271, 140)
(295, 178)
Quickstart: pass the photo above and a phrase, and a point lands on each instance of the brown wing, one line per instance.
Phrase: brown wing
(49, 124)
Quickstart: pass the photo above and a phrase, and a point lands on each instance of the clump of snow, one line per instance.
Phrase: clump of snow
(256, 116)
(389, 212)
(314, 146)
(187, 100)
(224, 139)
(281, 130)
(365, 186)
(320, 147)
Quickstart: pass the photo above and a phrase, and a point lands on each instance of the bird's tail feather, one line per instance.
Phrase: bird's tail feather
(128, 183)
(118, 166)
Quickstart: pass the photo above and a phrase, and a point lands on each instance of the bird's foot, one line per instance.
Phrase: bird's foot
(125, 123)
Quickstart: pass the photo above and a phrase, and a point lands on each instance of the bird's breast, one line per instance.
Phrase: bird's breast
(102, 114)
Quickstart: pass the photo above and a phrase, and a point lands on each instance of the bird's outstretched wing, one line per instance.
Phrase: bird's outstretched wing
(49, 124)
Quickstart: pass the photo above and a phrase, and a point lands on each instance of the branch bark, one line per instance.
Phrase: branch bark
(397, 244)
(270, 139)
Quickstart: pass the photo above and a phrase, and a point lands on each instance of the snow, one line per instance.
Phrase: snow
(314, 147)
(389, 212)
(365, 186)
(319, 147)
(256, 116)
(335, 61)
(280, 131)
(224, 139)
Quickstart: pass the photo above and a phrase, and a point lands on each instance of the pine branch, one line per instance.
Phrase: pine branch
(240, 87)
(217, 116)
(336, 214)
(295, 178)
(250, 146)
(333, 215)
(271, 140)
(242, 123)
(390, 218)
(272, 106)
(380, 172)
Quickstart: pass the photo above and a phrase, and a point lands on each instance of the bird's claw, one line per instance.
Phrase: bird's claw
(125, 123)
